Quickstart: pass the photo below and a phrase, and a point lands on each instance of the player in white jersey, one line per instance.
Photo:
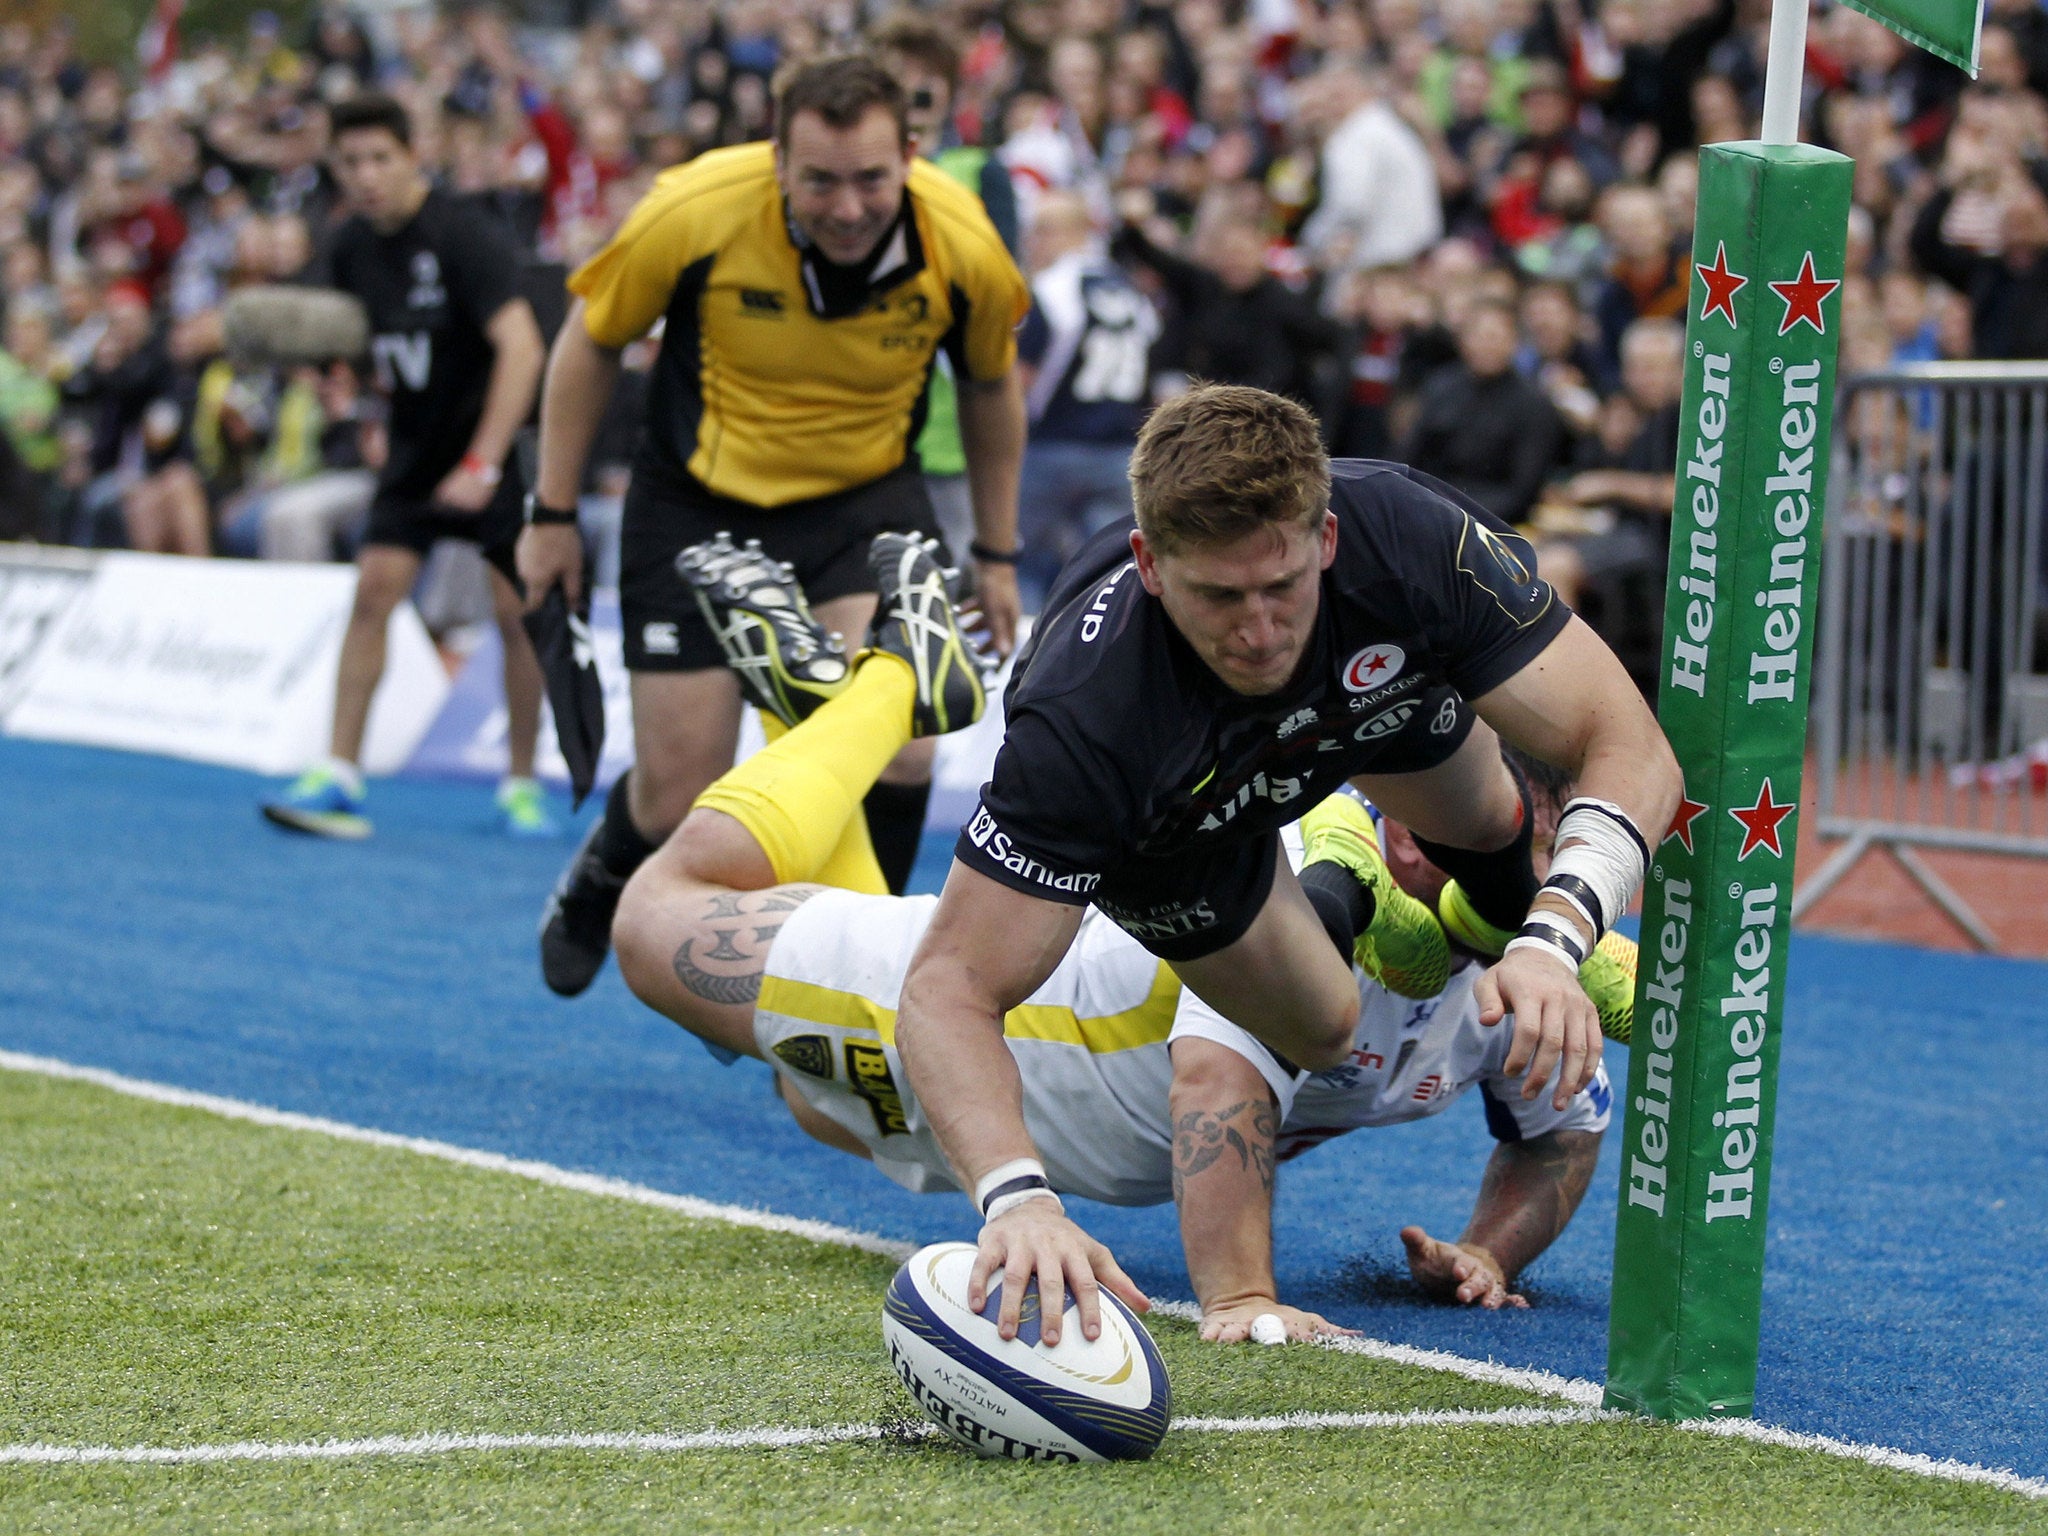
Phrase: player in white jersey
(762, 929)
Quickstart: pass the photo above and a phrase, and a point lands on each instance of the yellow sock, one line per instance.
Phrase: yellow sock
(800, 795)
(852, 865)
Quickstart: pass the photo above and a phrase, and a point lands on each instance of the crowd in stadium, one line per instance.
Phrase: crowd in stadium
(1459, 231)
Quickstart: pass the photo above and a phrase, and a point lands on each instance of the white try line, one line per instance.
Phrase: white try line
(764, 1439)
(1586, 1395)
(468, 1157)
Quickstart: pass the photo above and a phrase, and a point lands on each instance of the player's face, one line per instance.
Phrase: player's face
(1248, 608)
(844, 185)
(378, 173)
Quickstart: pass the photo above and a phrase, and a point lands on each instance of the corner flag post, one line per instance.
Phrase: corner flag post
(1754, 429)
(1754, 440)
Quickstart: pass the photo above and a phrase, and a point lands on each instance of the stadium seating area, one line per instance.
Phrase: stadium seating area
(1427, 198)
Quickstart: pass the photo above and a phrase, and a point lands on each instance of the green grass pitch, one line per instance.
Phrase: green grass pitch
(175, 1279)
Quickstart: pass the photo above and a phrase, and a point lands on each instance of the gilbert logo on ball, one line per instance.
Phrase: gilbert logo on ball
(1105, 1399)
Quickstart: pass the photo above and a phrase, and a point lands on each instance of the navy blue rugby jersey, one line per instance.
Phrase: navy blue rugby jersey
(1122, 747)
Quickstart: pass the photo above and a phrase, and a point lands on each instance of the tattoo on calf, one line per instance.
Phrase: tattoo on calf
(1201, 1137)
(736, 978)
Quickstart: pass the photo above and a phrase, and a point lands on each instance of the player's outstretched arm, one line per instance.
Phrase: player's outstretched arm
(1526, 1199)
(987, 949)
(580, 378)
(1574, 707)
(1225, 1122)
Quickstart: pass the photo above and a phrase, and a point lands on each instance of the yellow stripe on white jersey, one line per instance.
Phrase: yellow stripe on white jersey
(1090, 1046)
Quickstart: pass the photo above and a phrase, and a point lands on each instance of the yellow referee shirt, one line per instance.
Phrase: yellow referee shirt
(754, 394)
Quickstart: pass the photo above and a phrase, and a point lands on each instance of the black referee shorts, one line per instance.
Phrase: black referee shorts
(825, 539)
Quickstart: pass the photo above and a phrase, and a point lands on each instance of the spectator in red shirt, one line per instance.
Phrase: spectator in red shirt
(143, 222)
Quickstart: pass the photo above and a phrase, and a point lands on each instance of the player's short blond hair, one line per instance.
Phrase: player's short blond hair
(1224, 460)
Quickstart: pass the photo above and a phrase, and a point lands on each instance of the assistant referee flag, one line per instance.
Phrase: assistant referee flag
(1950, 28)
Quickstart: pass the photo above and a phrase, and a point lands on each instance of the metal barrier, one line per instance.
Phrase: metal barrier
(1930, 701)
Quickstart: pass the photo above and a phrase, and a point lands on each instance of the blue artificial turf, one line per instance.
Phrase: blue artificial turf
(154, 926)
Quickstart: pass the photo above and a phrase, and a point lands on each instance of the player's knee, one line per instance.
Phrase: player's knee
(1325, 1040)
(663, 789)
(378, 593)
(638, 938)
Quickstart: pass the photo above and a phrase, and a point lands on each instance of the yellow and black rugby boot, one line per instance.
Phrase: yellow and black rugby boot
(1403, 947)
(786, 662)
(1609, 977)
(917, 622)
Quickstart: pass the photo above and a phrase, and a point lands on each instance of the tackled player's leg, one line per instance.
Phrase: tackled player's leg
(694, 924)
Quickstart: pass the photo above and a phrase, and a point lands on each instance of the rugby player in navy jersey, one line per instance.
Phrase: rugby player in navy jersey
(1275, 626)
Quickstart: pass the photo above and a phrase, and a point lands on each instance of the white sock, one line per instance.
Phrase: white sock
(513, 782)
(347, 774)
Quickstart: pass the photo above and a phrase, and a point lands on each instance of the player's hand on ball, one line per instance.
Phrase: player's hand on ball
(1556, 1024)
(1036, 1238)
(548, 553)
(1470, 1276)
(1232, 1322)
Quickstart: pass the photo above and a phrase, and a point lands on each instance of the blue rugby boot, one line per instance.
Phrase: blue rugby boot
(324, 801)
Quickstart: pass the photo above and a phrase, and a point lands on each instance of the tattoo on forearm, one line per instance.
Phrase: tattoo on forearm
(1529, 1193)
(729, 969)
(1201, 1137)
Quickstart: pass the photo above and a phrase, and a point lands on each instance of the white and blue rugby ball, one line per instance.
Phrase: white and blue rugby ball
(1080, 1400)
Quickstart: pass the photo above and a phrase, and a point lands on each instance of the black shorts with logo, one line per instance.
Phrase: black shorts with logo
(1185, 905)
(418, 525)
(825, 539)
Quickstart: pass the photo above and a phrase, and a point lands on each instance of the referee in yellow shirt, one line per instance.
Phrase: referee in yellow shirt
(805, 288)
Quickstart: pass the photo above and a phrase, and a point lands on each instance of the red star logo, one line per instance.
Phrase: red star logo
(1689, 811)
(1760, 824)
(1803, 296)
(1722, 285)
(1375, 663)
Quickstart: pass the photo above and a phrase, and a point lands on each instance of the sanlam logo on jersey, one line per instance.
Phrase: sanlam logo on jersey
(1374, 667)
(995, 842)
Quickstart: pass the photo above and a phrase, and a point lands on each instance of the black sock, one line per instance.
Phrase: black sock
(896, 826)
(620, 847)
(1500, 885)
(1341, 900)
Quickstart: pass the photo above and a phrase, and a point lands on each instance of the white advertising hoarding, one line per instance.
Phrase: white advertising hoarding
(221, 661)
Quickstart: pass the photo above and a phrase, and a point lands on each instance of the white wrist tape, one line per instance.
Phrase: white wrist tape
(1547, 945)
(1006, 1187)
(1002, 1205)
(1601, 859)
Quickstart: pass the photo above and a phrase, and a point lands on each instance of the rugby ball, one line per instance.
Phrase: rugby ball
(1080, 1400)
